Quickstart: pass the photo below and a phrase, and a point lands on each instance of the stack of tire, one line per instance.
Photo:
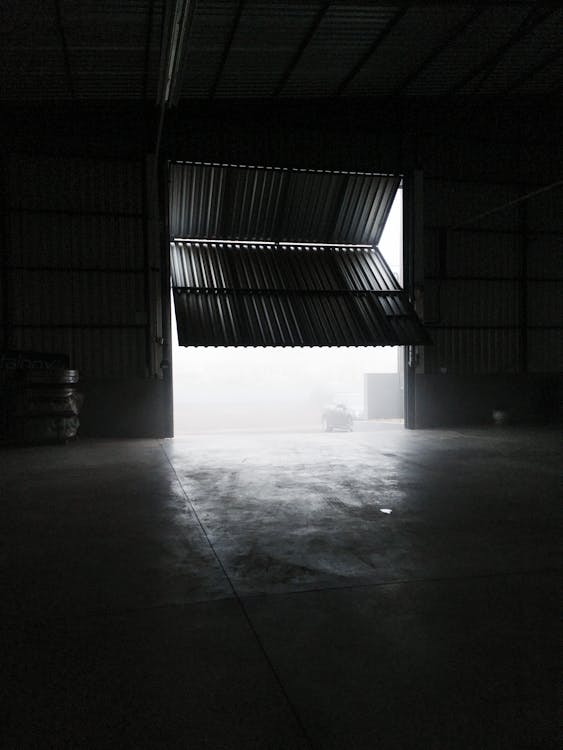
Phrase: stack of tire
(44, 406)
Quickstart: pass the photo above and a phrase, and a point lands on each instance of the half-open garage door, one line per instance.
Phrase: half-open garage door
(228, 294)
(225, 202)
(277, 257)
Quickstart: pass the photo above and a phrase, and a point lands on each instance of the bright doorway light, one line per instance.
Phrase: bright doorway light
(280, 389)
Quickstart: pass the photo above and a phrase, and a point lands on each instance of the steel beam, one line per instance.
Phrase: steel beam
(533, 71)
(64, 45)
(370, 52)
(227, 48)
(317, 20)
(484, 69)
(458, 31)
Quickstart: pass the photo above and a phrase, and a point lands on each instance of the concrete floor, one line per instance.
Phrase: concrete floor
(250, 591)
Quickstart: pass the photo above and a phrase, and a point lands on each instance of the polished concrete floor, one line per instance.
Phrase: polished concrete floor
(385, 589)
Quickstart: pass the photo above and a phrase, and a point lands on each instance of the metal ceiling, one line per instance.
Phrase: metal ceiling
(92, 50)
(111, 50)
(229, 294)
(214, 201)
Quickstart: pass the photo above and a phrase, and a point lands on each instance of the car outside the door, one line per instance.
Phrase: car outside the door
(337, 417)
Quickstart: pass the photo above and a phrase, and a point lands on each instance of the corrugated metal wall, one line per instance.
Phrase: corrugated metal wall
(74, 273)
(492, 286)
(80, 267)
(545, 282)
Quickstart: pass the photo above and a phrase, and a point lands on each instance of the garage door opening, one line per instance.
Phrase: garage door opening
(289, 389)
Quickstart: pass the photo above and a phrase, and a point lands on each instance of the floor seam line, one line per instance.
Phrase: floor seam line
(293, 709)
(402, 581)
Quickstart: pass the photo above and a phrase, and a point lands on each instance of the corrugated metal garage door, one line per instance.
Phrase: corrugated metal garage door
(229, 294)
(293, 263)
(224, 202)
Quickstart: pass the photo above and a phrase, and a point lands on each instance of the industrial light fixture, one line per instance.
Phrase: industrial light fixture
(177, 24)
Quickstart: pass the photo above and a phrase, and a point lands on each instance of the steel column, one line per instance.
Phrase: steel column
(166, 363)
(412, 260)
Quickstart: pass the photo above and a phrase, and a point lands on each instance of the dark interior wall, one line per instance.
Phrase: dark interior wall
(492, 285)
(455, 400)
(81, 267)
(75, 199)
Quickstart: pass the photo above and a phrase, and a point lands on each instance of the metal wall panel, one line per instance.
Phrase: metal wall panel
(76, 263)
(102, 353)
(495, 282)
(544, 290)
(545, 351)
(455, 165)
(479, 303)
(254, 203)
(451, 204)
(473, 351)
(110, 353)
(75, 185)
(545, 256)
(544, 211)
(76, 241)
(480, 254)
(545, 304)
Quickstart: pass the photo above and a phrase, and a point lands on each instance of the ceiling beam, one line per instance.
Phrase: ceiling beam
(484, 69)
(312, 30)
(64, 45)
(227, 49)
(457, 31)
(533, 71)
(368, 54)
